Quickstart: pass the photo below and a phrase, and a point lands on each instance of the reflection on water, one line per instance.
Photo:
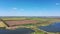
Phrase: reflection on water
(17, 31)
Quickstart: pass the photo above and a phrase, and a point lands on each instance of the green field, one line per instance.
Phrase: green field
(42, 22)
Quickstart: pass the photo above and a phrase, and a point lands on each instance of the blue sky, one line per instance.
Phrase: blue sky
(29, 7)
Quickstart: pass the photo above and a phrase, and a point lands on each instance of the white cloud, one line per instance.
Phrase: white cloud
(57, 3)
(15, 8)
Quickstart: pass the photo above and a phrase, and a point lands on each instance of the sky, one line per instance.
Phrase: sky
(29, 7)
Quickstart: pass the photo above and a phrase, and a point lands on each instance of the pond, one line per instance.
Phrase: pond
(55, 27)
(17, 31)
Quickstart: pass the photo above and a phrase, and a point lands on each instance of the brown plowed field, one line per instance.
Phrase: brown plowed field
(17, 22)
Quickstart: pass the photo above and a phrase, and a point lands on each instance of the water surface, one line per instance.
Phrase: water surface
(17, 31)
(55, 27)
